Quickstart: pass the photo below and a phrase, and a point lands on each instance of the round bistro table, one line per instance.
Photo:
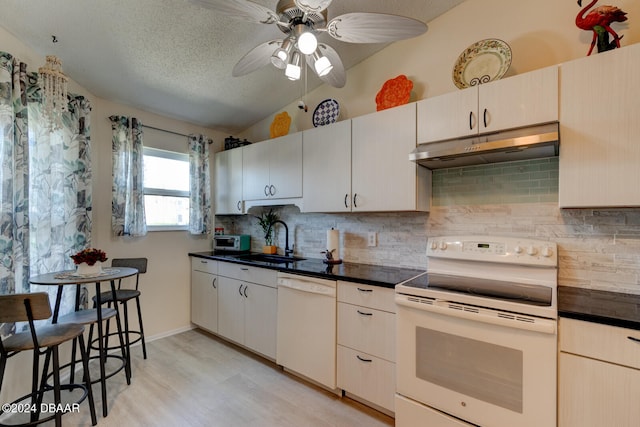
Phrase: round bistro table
(110, 275)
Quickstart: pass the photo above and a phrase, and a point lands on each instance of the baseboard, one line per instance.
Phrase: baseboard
(168, 333)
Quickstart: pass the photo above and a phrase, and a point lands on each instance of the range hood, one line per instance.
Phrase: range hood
(519, 144)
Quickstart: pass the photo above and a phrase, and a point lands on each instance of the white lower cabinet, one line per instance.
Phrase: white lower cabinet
(366, 343)
(247, 310)
(204, 293)
(599, 375)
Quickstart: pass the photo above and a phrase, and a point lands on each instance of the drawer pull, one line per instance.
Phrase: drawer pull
(240, 290)
(365, 290)
(362, 359)
(634, 339)
(213, 283)
(244, 269)
(203, 262)
(365, 314)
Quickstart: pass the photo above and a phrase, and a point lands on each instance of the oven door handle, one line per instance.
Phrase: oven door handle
(494, 317)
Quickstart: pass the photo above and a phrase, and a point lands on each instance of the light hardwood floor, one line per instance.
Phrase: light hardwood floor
(195, 379)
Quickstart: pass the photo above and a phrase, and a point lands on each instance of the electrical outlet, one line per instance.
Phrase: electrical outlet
(372, 239)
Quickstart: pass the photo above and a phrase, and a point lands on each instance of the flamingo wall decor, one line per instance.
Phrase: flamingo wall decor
(599, 22)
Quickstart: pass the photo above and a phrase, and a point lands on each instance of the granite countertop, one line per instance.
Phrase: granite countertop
(611, 308)
(352, 272)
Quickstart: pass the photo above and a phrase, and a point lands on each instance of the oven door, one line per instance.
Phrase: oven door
(490, 368)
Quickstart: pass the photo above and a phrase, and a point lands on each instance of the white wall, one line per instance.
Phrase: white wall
(540, 33)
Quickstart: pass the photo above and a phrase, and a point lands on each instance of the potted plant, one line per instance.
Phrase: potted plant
(89, 261)
(266, 221)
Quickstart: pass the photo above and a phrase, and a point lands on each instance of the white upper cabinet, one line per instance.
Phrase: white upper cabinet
(228, 182)
(273, 169)
(599, 128)
(326, 168)
(382, 177)
(523, 100)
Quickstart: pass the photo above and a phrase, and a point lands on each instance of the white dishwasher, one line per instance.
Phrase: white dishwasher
(306, 338)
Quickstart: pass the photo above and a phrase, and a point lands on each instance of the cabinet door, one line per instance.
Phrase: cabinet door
(285, 167)
(228, 182)
(204, 300)
(383, 178)
(231, 309)
(452, 115)
(599, 128)
(366, 376)
(523, 100)
(260, 319)
(368, 330)
(593, 393)
(255, 171)
(326, 168)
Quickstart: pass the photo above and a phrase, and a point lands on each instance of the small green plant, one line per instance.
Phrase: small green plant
(266, 221)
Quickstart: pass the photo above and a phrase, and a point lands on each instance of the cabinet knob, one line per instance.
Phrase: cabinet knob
(239, 206)
(266, 191)
(213, 283)
(355, 200)
(346, 196)
(484, 117)
(272, 190)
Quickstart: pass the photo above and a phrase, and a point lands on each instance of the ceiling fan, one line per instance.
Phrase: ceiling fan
(301, 21)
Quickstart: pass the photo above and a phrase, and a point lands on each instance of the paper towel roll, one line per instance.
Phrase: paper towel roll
(333, 243)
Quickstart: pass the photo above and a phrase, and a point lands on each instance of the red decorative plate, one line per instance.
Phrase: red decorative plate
(394, 92)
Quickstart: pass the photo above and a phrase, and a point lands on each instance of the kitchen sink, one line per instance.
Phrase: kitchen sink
(272, 259)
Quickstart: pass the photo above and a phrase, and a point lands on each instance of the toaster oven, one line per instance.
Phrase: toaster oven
(232, 242)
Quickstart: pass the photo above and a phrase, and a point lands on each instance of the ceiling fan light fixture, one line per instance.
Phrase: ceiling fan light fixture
(307, 41)
(293, 68)
(280, 57)
(322, 64)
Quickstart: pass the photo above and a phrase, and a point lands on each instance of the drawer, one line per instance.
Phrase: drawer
(248, 273)
(367, 329)
(367, 376)
(603, 342)
(367, 296)
(204, 265)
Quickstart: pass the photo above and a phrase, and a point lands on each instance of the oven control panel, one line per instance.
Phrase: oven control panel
(494, 249)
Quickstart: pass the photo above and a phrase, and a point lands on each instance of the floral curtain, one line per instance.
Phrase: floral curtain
(14, 172)
(127, 205)
(45, 183)
(200, 185)
(59, 192)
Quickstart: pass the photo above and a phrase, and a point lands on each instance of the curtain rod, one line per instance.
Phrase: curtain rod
(168, 131)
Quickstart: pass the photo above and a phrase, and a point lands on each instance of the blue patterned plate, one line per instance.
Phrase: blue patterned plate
(326, 112)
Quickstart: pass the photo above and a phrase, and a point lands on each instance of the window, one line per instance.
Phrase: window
(166, 189)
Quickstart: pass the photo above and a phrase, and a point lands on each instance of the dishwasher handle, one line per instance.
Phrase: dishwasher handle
(309, 287)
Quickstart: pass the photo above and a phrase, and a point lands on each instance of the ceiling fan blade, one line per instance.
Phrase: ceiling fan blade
(312, 6)
(256, 58)
(365, 27)
(242, 9)
(337, 77)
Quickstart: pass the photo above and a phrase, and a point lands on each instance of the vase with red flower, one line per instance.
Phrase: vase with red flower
(89, 261)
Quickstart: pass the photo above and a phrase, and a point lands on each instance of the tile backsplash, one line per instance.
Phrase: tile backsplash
(597, 248)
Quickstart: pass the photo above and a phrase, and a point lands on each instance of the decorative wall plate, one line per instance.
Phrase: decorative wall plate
(394, 92)
(326, 112)
(280, 125)
(482, 62)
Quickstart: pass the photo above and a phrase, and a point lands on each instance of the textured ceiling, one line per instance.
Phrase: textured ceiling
(174, 57)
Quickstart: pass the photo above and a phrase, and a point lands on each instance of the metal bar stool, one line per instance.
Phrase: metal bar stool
(123, 296)
(42, 341)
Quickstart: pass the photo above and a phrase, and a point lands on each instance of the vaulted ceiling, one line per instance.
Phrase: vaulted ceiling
(174, 57)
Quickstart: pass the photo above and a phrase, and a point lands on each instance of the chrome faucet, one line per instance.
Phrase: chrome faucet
(287, 251)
